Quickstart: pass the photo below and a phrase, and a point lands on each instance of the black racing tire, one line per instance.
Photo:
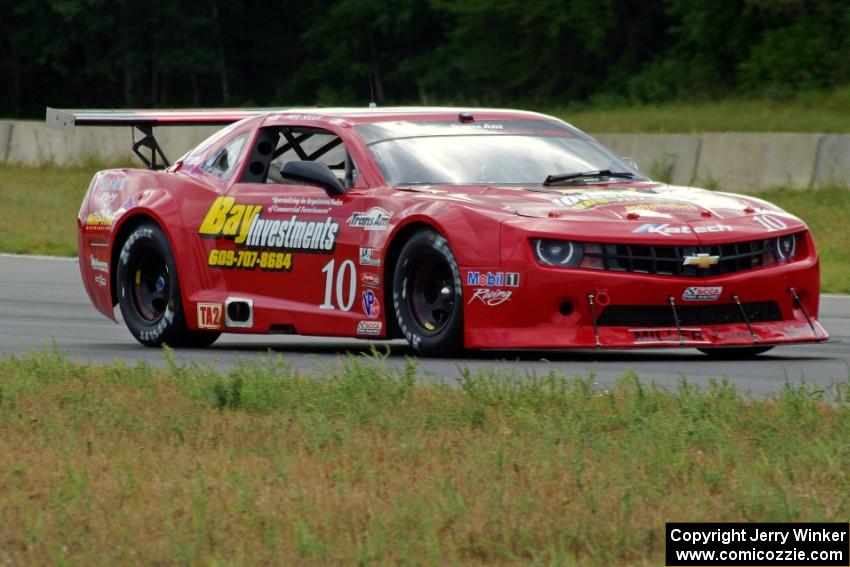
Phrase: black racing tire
(427, 295)
(149, 293)
(734, 353)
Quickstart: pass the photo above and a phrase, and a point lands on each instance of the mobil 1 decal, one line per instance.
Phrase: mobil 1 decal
(263, 242)
(487, 287)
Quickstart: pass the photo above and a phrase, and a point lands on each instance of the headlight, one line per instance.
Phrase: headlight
(785, 247)
(562, 253)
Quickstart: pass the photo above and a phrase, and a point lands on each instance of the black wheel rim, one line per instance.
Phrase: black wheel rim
(432, 293)
(150, 285)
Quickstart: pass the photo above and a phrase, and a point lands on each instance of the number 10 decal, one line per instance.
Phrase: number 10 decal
(772, 224)
(343, 303)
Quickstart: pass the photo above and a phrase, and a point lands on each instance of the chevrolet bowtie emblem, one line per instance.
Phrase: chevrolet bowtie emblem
(703, 261)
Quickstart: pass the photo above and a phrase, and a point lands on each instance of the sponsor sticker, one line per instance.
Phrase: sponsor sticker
(209, 315)
(663, 206)
(729, 335)
(98, 220)
(375, 218)
(667, 335)
(250, 260)
(303, 205)
(590, 199)
(702, 293)
(370, 257)
(369, 327)
(100, 280)
(370, 280)
(664, 229)
(98, 265)
(248, 228)
(107, 199)
(490, 297)
(371, 305)
(492, 279)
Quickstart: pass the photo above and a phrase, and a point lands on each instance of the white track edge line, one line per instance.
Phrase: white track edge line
(38, 257)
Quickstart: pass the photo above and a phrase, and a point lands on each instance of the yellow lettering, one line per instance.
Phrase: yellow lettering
(216, 216)
(231, 226)
(251, 212)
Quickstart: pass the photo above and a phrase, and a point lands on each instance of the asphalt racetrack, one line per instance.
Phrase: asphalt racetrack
(43, 301)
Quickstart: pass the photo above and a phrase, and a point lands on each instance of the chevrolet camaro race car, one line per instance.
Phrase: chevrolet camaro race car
(477, 229)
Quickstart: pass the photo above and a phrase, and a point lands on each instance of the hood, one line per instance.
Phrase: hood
(641, 210)
(654, 202)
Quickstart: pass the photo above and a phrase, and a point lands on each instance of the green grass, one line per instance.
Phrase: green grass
(41, 206)
(826, 211)
(808, 112)
(362, 463)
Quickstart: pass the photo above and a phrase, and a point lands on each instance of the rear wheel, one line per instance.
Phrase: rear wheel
(735, 353)
(149, 293)
(427, 295)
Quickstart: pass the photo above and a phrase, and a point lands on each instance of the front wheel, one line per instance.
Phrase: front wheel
(734, 353)
(427, 295)
(149, 294)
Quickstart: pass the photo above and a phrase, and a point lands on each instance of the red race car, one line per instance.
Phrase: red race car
(454, 229)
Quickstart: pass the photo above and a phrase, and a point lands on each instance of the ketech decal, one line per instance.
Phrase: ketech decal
(664, 229)
(665, 335)
(245, 225)
(209, 315)
(702, 293)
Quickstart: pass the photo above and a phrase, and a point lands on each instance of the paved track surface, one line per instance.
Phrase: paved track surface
(42, 301)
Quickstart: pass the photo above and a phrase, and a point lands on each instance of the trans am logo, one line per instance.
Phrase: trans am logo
(245, 225)
(375, 218)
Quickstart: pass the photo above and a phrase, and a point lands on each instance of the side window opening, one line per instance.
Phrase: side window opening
(224, 162)
(311, 144)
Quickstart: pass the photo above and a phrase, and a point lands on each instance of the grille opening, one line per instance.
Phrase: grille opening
(669, 260)
(662, 316)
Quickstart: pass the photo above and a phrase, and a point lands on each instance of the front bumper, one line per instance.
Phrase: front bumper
(566, 308)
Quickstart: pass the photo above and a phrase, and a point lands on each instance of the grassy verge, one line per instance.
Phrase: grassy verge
(366, 464)
(825, 211)
(827, 111)
(41, 205)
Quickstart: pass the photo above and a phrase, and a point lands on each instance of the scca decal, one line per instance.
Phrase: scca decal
(245, 225)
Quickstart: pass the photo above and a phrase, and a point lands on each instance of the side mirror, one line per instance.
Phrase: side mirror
(313, 173)
(631, 162)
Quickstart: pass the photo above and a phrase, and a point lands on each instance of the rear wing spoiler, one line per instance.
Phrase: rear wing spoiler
(145, 121)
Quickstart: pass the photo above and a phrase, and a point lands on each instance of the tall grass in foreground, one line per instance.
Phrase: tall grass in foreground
(365, 463)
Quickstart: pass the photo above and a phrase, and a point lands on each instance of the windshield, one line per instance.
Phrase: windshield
(491, 156)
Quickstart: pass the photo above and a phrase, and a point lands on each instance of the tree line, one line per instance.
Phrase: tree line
(133, 53)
